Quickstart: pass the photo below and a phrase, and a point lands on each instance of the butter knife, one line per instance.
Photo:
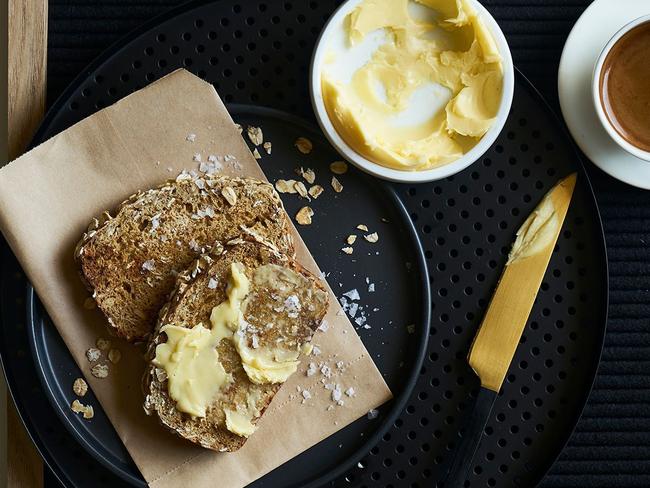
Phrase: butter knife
(498, 336)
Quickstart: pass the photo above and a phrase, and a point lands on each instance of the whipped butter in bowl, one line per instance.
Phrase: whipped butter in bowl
(412, 91)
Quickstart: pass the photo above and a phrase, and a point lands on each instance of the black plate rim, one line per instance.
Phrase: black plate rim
(194, 4)
(397, 404)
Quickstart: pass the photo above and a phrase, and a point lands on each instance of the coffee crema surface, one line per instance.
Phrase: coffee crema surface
(625, 86)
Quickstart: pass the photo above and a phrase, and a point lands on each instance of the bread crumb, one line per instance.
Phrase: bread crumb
(286, 186)
(347, 250)
(87, 410)
(114, 356)
(255, 135)
(374, 237)
(315, 191)
(103, 344)
(350, 239)
(93, 354)
(256, 154)
(267, 147)
(89, 303)
(410, 328)
(304, 215)
(362, 227)
(80, 387)
(99, 370)
(336, 185)
(303, 145)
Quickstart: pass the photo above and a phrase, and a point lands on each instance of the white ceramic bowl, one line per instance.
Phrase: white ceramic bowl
(595, 91)
(334, 24)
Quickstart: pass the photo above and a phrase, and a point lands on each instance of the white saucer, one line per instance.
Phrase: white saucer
(593, 30)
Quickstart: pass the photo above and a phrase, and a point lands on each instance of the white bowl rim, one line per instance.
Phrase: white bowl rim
(396, 175)
(595, 89)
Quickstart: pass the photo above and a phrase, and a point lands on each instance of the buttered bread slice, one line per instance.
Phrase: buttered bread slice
(233, 331)
(129, 262)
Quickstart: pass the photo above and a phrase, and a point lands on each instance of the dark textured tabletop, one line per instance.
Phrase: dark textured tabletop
(611, 445)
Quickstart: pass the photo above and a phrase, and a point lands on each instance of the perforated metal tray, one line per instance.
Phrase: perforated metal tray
(257, 52)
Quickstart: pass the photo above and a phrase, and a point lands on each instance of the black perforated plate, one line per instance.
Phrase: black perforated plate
(394, 263)
(258, 52)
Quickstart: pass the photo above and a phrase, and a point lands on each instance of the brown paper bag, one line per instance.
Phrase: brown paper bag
(48, 197)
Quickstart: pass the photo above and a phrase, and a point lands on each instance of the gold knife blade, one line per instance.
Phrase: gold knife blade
(496, 341)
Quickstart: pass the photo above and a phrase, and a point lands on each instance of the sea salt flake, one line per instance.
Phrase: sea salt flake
(373, 414)
(350, 392)
(324, 326)
(371, 287)
(197, 157)
(311, 370)
(410, 328)
(352, 294)
(149, 265)
(212, 283)
(190, 137)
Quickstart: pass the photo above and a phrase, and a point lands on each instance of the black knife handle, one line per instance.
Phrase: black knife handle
(465, 451)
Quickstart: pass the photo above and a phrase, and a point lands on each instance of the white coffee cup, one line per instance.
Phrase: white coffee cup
(596, 91)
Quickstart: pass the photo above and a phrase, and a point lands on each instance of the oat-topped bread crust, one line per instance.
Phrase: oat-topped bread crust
(286, 313)
(129, 262)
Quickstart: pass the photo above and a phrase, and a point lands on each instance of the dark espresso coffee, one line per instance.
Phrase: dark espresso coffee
(625, 86)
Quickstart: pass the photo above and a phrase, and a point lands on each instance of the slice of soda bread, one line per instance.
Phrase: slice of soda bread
(129, 262)
(280, 307)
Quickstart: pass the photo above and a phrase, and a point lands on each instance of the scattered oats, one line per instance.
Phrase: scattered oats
(324, 326)
(352, 294)
(267, 147)
(239, 128)
(99, 370)
(362, 227)
(311, 370)
(114, 356)
(315, 191)
(410, 328)
(89, 303)
(255, 135)
(305, 395)
(87, 410)
(103, 344)
(339, 167)
(374, 237)
(347, 250)
(212, 283)
(191, 137)
(371, 287)
(336, 184)
(301, 189)
(229, 194)
(286, 186)
(373, 414)
(350, 392)
(256, 154)
(80, 387)
(149, 265)
(308, 174)
(351, 238)
(304, 215)
(303, 145)
(93, 354)
(197, 157)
